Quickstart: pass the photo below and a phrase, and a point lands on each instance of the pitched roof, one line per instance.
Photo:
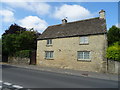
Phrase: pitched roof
(78, 28)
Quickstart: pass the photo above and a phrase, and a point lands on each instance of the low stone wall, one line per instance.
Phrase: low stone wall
(18, 60)
(113, 67)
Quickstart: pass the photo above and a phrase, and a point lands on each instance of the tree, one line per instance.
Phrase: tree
(14, 29)
(17, 39)
(9, 44)
(27, 40)
(113, 35)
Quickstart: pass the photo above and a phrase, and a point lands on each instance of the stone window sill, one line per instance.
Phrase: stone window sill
(84, 44)
(49, 45)
(84, 60)
(49, 58)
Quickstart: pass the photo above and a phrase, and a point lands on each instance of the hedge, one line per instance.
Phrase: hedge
(23, 54)
(113, 52)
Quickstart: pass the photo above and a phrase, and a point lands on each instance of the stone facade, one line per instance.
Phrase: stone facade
(65, 53)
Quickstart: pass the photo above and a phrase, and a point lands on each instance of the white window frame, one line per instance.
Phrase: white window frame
(50, 54)
(84, 40)
(84, 59)
(49, 41)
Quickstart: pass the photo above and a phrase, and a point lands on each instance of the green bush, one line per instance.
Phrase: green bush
(113, 52)
(23, 54)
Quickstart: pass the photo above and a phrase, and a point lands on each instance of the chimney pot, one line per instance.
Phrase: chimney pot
(64, 21)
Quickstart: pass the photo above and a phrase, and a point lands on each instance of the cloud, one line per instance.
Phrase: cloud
(118, 25)
(33, 22)
(41, 8)
(72, 12)
(7, 16)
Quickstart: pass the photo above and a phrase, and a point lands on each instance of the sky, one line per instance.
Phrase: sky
(40, 15)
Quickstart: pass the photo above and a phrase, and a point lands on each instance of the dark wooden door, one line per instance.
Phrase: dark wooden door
(33, 57)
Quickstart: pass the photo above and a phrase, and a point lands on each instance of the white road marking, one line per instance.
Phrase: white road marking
(10, 84)
(6, 83)
(16, 86)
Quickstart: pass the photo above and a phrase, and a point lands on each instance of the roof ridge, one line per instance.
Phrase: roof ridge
(75, 21)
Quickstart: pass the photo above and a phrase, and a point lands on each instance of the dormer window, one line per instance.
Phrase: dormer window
(49, 42)
(84, 40)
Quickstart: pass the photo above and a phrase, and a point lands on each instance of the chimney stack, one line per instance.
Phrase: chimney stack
(102, 14)
(64, 21)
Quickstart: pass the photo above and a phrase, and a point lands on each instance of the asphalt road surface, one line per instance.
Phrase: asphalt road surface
(28, 78)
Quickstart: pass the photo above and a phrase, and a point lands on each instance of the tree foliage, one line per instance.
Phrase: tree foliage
(9, 44)
(14, 29)
(22, 54)
(17, 39)
(113, 51)
(113, 35)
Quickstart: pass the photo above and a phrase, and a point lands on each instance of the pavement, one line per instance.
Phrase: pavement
(105, 76)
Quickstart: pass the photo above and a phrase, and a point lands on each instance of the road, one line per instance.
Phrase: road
(28, 78)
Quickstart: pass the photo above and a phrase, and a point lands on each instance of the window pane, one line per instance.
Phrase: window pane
(86, 55)
(47, 54)
(50, 41)
(51, 54)
(80, 55)
(86, 40)
(47, 41)
(81, 39)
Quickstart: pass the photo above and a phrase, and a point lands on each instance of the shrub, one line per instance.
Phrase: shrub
(113, 52)
(23, 54)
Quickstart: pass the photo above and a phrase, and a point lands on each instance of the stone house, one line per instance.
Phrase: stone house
(78, 45)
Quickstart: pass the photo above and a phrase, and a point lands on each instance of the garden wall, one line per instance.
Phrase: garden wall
(18, 60)
(113, 67)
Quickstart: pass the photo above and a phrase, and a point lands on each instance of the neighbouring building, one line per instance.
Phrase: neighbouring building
(79, 45)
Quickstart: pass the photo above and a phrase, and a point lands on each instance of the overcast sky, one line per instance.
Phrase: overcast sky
(40, 15)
